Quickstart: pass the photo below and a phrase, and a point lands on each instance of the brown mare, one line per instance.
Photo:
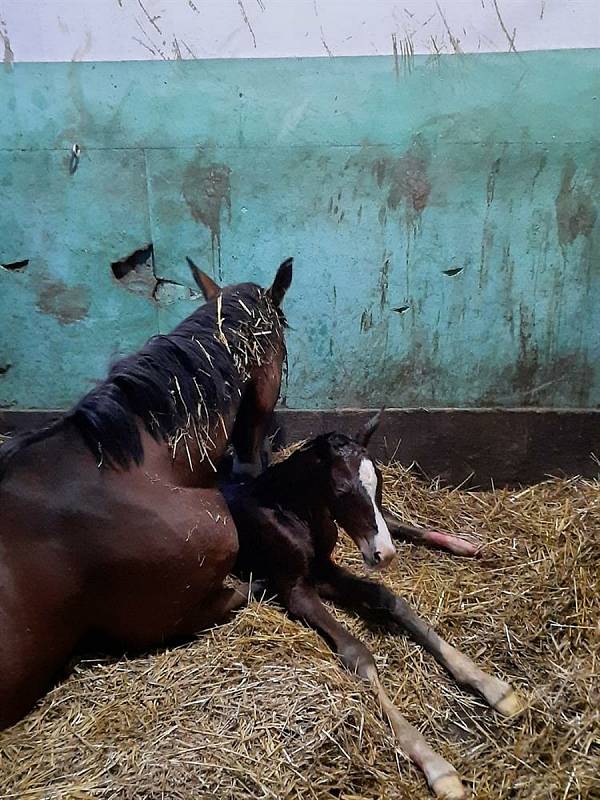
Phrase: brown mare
(286, 521)
(112, 525)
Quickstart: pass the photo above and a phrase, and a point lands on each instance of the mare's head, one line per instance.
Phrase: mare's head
(261, 389)
(275, 293)
(353, 487)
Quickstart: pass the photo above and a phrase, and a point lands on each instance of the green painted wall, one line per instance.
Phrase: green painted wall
(382, 179)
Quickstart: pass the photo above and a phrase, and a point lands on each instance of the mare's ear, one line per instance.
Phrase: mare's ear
(363, 437)
(281, 283)
(209, 288)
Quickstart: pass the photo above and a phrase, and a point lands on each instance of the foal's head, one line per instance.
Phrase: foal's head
(353, 488)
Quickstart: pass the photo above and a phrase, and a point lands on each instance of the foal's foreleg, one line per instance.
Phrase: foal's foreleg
(437, 540)
(372, 599)
(303, 601)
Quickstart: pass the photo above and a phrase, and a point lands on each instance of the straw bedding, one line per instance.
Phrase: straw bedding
(259, 707)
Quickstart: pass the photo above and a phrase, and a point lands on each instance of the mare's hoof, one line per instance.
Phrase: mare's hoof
(510, 705)
(449, 787)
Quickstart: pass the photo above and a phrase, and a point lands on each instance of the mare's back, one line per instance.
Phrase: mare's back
(43, 477)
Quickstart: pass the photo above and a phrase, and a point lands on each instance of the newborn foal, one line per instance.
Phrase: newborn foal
(286, 521)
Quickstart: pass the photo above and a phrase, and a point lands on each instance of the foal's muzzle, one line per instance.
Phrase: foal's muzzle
(377, 554)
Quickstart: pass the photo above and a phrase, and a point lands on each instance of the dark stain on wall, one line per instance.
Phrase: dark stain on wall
(532, 379)
(528, 362)
(541, 165)
(575, 210)
(207, 192)
(535, 381)
(406, 178)
(366, 320)
(491, 182)
(67, 304)
(415, 370)
(384, 281)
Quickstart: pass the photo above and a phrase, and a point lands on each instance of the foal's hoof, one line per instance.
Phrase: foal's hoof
(449, 787)
(510, 705)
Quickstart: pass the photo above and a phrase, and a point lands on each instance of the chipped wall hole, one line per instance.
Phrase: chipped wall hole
(139, 261)
(14, 266)
(137, 273)
(452, 272)
(401, 309)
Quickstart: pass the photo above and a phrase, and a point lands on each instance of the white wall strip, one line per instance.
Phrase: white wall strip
(113, 30)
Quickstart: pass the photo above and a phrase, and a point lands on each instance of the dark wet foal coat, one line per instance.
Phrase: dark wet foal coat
(111, 523)
(287, 524)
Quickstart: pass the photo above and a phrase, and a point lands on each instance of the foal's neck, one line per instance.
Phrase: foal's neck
(297, 484)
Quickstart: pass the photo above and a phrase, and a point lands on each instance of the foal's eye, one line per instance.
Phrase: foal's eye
(342, 489)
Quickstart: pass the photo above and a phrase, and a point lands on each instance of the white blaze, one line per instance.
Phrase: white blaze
(382, 542)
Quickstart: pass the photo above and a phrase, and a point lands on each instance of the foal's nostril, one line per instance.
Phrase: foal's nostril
(377, 556)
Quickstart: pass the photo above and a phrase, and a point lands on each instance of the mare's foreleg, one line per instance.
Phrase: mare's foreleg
(35, 646)
(218, 608)
(303, 602)
(374, 600)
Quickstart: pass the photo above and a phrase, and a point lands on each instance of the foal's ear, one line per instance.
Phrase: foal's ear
(363, 437)
(282, 282)
(330, 445)
(209, 288)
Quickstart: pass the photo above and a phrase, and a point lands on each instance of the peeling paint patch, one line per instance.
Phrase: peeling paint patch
(9, 56)
(167, 292)
(67, 304)
(207, 190)
(576, 213)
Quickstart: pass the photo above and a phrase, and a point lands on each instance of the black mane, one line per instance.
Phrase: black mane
(177, 385)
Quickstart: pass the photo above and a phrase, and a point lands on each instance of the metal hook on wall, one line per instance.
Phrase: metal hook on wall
(74, 160)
